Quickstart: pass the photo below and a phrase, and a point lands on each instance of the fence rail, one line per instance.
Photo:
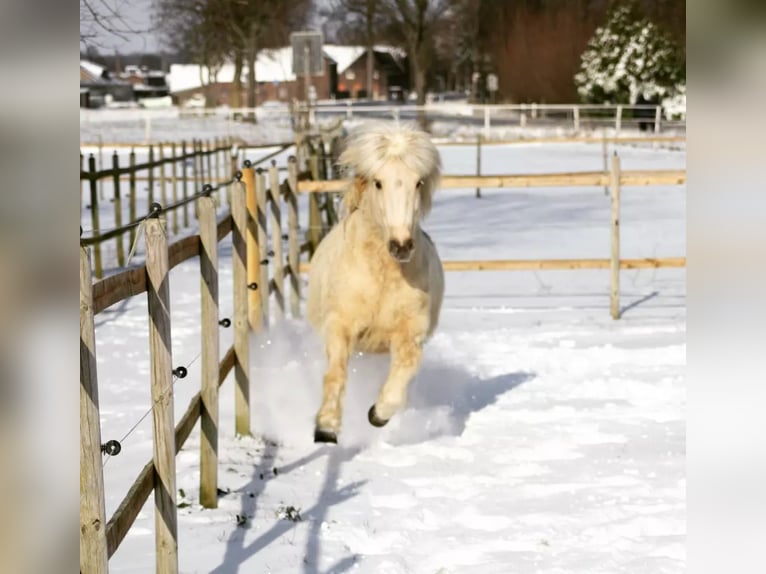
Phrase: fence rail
(612, 180)
(575, 179)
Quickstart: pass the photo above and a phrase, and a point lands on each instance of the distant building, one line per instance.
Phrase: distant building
(146, 83)
(345, 73)
(274, 81)
(390, 76)
(98, 87)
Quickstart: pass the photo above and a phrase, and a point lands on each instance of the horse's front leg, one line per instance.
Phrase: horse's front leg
(406, 353)
(338, 348)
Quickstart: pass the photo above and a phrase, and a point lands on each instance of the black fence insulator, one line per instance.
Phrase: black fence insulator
(180, 372)
(155, 209)
(273, 163)
(111, 447)
(225, 322)
(207, 189)
(238, 175)
(270, 253)
(253, 286)
(248, 163)
(264, 261)
(292, 159)
(259, 170)
(285, 237)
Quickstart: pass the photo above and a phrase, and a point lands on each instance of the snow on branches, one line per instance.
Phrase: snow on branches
(630, 60)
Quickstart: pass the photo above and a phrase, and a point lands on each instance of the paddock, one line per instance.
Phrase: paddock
(558, 231)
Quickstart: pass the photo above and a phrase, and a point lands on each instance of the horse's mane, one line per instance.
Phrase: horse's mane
(373, 144)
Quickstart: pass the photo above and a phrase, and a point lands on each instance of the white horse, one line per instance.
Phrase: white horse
(376, 282)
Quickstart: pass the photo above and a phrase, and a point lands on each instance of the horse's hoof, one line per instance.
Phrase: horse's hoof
(374, 419)
(325, 436)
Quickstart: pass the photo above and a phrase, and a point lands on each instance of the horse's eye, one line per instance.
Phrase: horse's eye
(378, 185)
(419, 184)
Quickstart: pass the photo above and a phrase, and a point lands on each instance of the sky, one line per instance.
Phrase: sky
(137, 15)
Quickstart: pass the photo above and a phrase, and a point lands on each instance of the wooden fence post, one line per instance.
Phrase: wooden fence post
(254, 311)
(150, 198)
(163, 188)
(211, 175)
(241, 345)
(164, 448)
(657, 120)
(618, 120)
(81, 181)
(615, 259)
(117, 208)
(217, 154)
(315, 218)
(196, 148)
(174, 180)
(605, 156)
(185, 183)
(100, 167)
(94, 215)
(132, 198)
(275, 199)
(93, 555)
(478, 162)
(293, 241)
(263, 243)
(576, 118)
(208, 259)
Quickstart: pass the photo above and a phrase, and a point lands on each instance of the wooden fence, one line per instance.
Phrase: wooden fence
(613, 180)
(212, 162)
(258, 201)
(262, 276)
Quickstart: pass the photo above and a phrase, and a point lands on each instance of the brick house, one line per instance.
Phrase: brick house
(345, 72)
(274, 81)
(390, 74)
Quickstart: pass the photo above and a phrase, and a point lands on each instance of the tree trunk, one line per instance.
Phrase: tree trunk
(236, 94)
(370, 49)
(252, 55)
(370, 69)
(419, 72)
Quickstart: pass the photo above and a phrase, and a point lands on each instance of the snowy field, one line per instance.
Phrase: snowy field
(274, 125)
(540, 435)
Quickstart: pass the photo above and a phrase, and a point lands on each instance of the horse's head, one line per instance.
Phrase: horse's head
(396, 170)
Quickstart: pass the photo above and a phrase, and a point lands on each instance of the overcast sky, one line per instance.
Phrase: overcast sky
(138, 16)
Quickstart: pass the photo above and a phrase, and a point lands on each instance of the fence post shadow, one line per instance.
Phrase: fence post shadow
(237, 554)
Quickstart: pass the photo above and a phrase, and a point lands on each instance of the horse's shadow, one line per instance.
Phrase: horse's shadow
(440, 401)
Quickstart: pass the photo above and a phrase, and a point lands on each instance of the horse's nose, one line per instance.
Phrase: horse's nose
(401, 250)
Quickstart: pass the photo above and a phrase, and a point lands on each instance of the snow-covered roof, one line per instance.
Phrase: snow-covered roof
(343, 56)
(91, 69)
(271, 66)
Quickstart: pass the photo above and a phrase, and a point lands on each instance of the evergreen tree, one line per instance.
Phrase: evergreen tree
(629, 60)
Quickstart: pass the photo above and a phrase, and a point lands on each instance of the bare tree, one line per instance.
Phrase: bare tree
(213, 31)
(360, 18)
(100, 18)
(417, 21)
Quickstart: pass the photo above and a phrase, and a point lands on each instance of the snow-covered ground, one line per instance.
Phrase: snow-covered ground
(540, 436)
(274, 124)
